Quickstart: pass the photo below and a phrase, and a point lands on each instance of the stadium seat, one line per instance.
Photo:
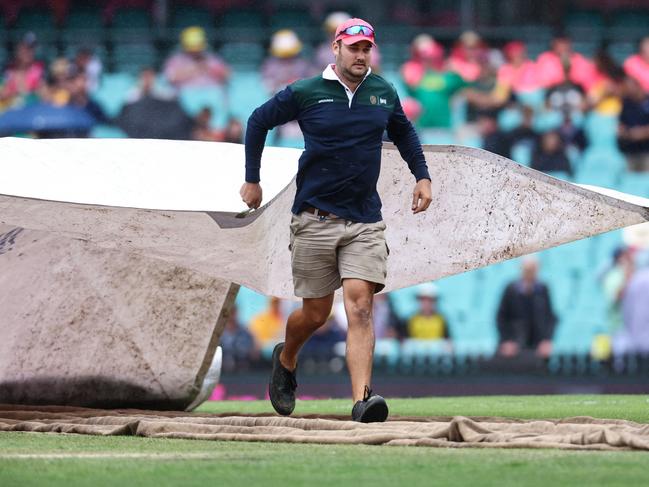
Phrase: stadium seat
(242, 25)
(603, 159)
(185, 16)
(38, 20)
(584, 25)
(216, 98)
(522, 153)
(113, 90)
(536, 47)
(635, 183)
(84, 27)
(560, 175)
(620, 51)
(245, 94)
(404, 302)
(394, 77)
(596, 177)
(547, 120)
(586, 48)
(243, 56)
(601, 130)
(107, 132)
(604, 246)
(132, 57)
(628, 24)
(131, 25)
(249, 304)
(387, 352)
(393, 55)
(509, 119)
(297, 19)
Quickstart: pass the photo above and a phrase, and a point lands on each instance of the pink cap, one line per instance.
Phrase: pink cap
(349, 39)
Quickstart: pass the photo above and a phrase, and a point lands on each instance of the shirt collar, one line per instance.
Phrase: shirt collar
(330, 74)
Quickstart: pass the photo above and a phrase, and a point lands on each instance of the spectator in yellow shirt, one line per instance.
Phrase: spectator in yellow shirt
(428, 323)
(268, 326)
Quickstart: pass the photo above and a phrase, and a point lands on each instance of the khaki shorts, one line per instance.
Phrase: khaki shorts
(324, 251)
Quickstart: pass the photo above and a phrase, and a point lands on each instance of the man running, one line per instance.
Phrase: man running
(337, 232)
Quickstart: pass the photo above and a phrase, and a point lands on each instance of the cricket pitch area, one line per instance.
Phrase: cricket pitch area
(28, 458)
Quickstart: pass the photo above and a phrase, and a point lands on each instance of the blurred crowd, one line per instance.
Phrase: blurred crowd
(526, 320)
(56, 100)
(506, 100)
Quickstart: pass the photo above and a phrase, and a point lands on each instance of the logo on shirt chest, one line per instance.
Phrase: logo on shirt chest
(381, 101)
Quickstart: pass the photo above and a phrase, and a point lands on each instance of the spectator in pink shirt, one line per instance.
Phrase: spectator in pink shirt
(637, 66)
(468, 56)
(561, 64)
(194, 66)
(24, 75)
(519, 74)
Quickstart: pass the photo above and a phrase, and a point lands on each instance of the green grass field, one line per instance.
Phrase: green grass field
(53, 460)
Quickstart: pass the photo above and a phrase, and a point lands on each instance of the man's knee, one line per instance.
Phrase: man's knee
(317, 311)
(359, 311)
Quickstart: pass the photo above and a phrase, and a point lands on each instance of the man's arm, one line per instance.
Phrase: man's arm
(404, 136)
(280, 109)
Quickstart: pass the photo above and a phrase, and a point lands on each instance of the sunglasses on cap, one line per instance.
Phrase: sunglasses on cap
(356, 30)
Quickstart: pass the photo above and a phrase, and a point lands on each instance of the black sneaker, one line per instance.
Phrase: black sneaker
(281, 388)
(372, 409)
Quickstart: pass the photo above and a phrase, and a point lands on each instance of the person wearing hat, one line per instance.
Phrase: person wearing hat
(337, 232)
(285, 65)
(428, 323)
(323, 54)
(195, 66)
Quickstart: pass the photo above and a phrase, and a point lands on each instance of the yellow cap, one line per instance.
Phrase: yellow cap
(193, 39)
(285, 43)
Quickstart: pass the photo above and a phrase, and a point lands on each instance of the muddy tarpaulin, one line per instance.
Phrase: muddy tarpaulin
(578, 433)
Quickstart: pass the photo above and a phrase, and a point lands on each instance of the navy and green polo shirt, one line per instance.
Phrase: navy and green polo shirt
(339, 168)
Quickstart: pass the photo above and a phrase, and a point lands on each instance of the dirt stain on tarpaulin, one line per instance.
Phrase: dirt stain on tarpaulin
(83, 325)
(8, 240)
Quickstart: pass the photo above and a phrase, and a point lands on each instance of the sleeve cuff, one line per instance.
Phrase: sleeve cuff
(422, 173)
(252, 175)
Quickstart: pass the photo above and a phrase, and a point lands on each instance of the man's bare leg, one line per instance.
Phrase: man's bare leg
(301, 324)
(358, 296)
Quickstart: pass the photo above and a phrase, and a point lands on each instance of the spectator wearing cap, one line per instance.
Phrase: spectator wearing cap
(285, 63)
(428, 323)
(430, 83)
(24, 75)
(561, 64)
(284, 66)
(525, 317)
(324, 56)
(194, 65)
(637, 65)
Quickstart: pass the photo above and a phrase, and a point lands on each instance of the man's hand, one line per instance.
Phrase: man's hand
(421, 196)
(251, 194)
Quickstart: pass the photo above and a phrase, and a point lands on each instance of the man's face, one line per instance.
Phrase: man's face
(353, 61)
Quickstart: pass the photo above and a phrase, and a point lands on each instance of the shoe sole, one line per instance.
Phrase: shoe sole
(278, 409)
(375, 412)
